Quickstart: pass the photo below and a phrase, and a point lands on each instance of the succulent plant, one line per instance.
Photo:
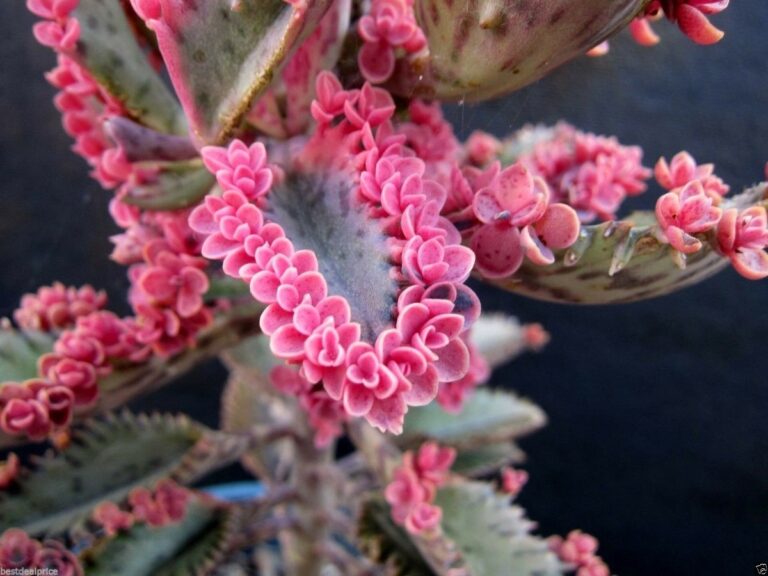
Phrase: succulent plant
(302, 209)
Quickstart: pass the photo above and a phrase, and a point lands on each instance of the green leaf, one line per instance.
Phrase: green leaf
(193, 546)
(178, 185)
(618, 262)
(388, 544)
(487, 417)
(108, 49)
(106, 460)
(318, 212)
(221, 56)
(486, 459)
(249, 399)
(492, 536)
(19, 351)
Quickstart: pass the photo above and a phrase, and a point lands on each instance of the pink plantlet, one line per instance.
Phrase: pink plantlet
(642, 31)
(57, 306)
(388, 28)
(742, 236)
(240, 167)
(600, 50)
(424, 517)
(60, 30)
(578, 548)
(512, 480)
(111, 518)
(172, 280)
(173, 499)
(482, 148)
(432, 464)
(54, 557)
(22, 412)
(414, 485)
(685, 212)
(79, 377)
(17, 549)
(9, 469)
(683, 169)
(326, 415)
(691, 16)
(518, 220)
(592, 174)
(145, 508)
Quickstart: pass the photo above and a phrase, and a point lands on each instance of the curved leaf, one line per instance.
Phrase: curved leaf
(488, 416)
(178, 185)
(221, 55)
(486, 48)
(617, 262)
(106, 460)
(108, 49)
(492, 536)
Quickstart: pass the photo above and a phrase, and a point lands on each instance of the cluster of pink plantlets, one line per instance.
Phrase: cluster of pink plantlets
(57, 307)
(59, 29)
(415, 482)
(593, 174)
(512, 480)
(19, 551)
(578, 549)
(84, 107)
(389, 30)
(164, 505)
(403, 365)
(517, 221)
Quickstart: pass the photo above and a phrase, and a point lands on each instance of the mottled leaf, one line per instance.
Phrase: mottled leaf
(617, 262)
(221, 55)
(108, 49)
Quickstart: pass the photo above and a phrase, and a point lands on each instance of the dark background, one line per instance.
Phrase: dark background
(658, 434)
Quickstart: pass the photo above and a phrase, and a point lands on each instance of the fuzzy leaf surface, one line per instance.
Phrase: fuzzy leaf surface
(318, 212)
(492, 536)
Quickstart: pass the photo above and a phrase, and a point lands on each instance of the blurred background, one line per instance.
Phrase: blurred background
(658, 434)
